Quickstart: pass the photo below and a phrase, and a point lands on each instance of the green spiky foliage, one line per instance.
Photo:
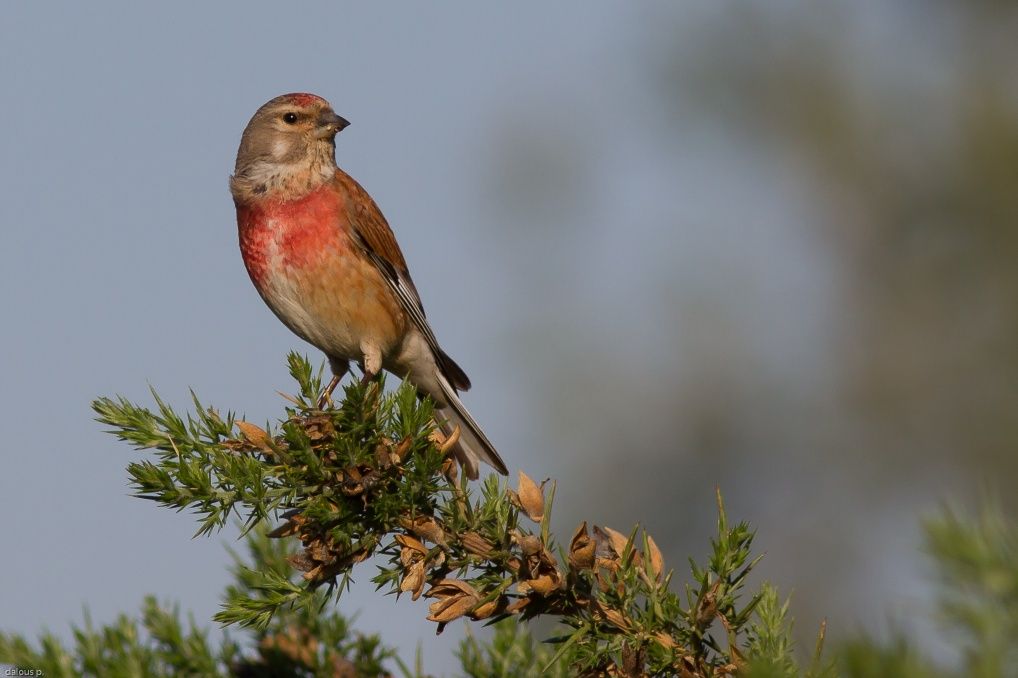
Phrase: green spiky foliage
(370, 477)
(323, 490)
(158, 642)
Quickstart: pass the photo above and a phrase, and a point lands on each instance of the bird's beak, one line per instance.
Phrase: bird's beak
(329, 124)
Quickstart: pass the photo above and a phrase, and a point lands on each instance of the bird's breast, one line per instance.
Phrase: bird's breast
(279, 237)
(300, 257)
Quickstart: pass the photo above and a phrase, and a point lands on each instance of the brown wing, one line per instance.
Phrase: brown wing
(370, 224)
(375, 238)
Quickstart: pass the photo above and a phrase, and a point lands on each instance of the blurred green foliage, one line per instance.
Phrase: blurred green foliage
(825, 236)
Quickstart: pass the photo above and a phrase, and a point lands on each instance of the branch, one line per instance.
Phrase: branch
(371, 477)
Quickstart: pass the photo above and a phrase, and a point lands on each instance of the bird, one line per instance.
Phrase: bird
(325, 261)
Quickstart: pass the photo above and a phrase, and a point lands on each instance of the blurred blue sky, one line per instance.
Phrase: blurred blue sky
(582, 243)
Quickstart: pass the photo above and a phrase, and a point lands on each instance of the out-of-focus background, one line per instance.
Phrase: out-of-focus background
(768, 246)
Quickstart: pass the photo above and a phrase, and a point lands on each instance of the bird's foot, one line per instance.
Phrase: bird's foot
(326, 397)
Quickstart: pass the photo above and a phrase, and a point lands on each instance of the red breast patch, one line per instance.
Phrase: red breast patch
(296, 233)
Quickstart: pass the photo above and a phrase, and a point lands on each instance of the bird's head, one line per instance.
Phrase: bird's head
(291, 135)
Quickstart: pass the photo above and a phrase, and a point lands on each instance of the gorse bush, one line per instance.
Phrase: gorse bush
(323, 491)
(371, 478)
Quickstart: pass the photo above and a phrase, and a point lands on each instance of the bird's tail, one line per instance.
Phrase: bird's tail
(473, 446)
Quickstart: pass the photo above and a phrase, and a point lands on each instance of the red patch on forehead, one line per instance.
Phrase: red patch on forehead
(304, 99)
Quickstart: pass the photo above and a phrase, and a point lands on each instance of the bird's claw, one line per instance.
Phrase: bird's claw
(326, 397)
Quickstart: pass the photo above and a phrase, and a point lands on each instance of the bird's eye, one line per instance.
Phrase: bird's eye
(290, 118)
